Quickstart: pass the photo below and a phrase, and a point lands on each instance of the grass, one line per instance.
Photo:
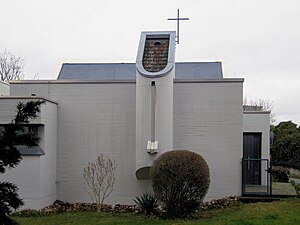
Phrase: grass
(279, 188)
(293, 175)
(278, 212)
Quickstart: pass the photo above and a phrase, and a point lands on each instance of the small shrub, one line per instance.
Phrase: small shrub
(99, 177)
(147, 203)
(180, 182)
(280, 174)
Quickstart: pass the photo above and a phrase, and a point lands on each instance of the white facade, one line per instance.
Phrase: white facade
(4, 88)
(208, 120)
(257, 122)
(82, 119)
(35, 176)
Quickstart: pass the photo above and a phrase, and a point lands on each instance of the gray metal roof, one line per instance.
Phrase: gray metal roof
(198, 70)
(127, 71)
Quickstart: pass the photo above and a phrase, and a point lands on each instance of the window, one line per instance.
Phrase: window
(23, 149)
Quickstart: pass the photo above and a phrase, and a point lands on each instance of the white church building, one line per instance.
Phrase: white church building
(132, 113)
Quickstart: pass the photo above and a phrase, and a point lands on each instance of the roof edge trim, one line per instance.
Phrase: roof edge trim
(224, 80)
(28, 97)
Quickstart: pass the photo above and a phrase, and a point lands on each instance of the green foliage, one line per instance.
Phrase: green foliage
(147, 203)
(280, 174)
(13, 133)
(285, 150)
(9, 200)
(180, 182)
(286, 129)
(10, 156)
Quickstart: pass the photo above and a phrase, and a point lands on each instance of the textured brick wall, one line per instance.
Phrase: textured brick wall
(155, 54)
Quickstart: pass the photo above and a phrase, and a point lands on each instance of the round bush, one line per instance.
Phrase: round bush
(280, 174)
(180, 182)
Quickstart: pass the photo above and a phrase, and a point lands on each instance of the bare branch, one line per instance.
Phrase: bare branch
(11, 67)
(36, 76)
(250, 104)
(99, 179)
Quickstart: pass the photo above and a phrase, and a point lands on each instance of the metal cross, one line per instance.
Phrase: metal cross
(178, 18)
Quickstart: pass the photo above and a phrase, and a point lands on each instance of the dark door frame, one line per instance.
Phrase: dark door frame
(252, 150)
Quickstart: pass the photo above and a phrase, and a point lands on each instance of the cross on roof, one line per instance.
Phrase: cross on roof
(178, 18)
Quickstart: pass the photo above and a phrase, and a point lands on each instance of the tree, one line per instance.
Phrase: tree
(285, 147)
(99, 179)
(10, 157)
(11, 67)
(250, 104)
(180, 181)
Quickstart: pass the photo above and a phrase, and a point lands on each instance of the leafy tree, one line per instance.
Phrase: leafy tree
(285, 148)
(180, 182)
(11, 67)
(10, 157)
(286, 129)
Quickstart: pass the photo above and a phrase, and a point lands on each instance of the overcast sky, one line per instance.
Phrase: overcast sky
(258, 40)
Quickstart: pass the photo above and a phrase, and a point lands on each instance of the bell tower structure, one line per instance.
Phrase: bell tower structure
(155, 66)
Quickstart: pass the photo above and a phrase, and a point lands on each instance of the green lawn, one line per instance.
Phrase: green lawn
(280, 212)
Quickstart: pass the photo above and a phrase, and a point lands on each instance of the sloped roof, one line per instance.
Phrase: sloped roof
(127, 71)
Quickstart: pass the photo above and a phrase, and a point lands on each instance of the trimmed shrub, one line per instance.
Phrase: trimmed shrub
(180, 182)
(280, 174)
(147, 203)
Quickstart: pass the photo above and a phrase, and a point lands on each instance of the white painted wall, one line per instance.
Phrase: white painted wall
(27, 178)
(93, 118)
(8, 108)
(28, 88)
(35, 175)
(48, 168)
(96, 118)
(259, 122)
(208, 120)
(4, 88)
(100, 117)
(163, 117)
